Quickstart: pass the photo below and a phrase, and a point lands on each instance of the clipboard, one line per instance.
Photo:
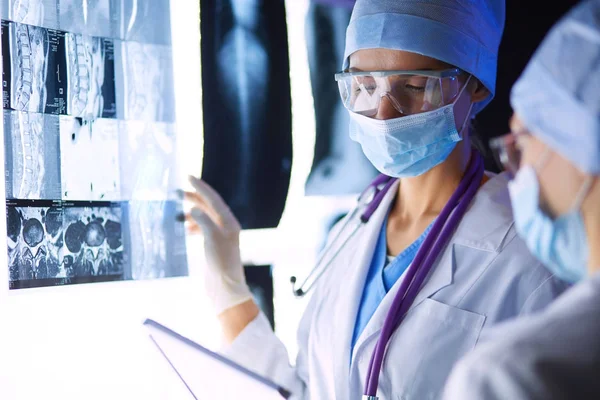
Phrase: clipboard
(208, 375)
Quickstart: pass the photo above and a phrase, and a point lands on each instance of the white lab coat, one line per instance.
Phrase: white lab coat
(552, 355)
(485, 275)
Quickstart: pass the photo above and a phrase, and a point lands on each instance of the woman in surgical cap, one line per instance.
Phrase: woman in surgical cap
(554, 150)
(414, 75)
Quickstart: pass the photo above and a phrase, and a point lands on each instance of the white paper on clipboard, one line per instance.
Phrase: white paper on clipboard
(208, 375)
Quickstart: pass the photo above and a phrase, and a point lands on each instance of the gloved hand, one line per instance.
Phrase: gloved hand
(224, 274)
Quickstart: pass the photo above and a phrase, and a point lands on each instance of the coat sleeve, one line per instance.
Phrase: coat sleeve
(258, 349)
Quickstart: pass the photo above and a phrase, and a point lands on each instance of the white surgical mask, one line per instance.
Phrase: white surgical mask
(561, 244)
(411, 145)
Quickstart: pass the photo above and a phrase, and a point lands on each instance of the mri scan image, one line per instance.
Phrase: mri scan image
(28, 48)
(145, 21)
(145, 77)
(89, 155)
(34, 242)
(57, 243)
(90, 142)
(33, 12)
(32, 157)
(34, 73)
(93, 243)
(91, 90)
(147, 160)
(90, 17)
(155, 239)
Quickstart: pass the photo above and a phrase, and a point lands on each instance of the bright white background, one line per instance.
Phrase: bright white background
(86, 341)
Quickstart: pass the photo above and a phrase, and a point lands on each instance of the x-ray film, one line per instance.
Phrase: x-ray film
(145, 21)
(34, 241)
(89, 159)
(28, 49)
(32, 156)
(147, 160)
(93, 242)
(90, 142)
(91, 90)
(99, 18)
(145, 82)
(58, 243)
(155, 239)
(38, 81)
(42, 13)
(55, 72)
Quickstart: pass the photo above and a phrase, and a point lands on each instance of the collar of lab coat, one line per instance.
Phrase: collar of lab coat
(479, 229)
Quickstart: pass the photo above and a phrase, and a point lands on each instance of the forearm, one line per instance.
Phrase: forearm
(233, 320)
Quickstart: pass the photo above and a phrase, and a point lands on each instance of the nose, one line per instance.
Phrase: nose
(386, 109)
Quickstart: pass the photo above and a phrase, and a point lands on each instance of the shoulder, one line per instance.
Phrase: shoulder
(488, 224)
(522, 356)
(489, 218)
(487, 236)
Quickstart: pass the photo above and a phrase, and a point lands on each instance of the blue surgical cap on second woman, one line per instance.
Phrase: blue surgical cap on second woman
(463, 33)
(558, 95)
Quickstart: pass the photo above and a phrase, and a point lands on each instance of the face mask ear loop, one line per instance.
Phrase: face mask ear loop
(468, 116)
(582, 194)
(464, 125)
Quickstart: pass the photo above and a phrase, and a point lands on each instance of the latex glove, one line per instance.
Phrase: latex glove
(224, 276)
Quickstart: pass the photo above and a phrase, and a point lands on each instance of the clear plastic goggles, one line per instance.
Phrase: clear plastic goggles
(508, 150)
(410, 92)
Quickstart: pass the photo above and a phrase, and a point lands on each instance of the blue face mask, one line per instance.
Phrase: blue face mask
(411, 145)
(560, 244)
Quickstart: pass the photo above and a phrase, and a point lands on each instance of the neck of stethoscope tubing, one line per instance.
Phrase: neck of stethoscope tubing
(441, 223)
(377, 199)
(447, 223)
(320, 268)
(415, 276)
(439, 244)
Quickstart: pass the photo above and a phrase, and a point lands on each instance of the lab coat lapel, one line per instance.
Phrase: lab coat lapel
(471, 233)
(439, 277)
(351, 291)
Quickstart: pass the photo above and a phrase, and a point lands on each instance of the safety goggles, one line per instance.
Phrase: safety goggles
(508, 150)
(410, 92)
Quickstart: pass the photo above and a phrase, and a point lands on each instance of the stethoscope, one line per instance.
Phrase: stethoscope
(434, 243)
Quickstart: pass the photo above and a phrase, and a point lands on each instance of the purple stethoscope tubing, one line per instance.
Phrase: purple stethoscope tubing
(379, 195)
(422, 264)
(370, 208)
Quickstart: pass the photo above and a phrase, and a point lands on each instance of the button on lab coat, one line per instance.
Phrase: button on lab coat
(549, 356)
(485, 275)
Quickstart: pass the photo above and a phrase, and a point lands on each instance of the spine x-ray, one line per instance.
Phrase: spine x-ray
(89, 142)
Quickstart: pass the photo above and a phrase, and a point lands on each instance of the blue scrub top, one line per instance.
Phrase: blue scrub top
(382, 276)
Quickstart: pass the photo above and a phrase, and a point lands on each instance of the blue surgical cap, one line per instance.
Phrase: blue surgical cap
(463, 33)
(558, 95)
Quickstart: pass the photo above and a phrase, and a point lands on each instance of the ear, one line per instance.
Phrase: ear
(478, 91)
